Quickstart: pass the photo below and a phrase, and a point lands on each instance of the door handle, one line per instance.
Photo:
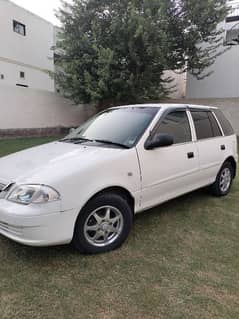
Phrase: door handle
(223, 147)
(190, 155)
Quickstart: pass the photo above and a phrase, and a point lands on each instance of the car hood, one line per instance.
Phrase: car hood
(45, 162)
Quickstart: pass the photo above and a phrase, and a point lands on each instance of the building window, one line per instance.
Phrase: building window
(232, 19)
(22, 75)
(232, 36)
(233, 14)
(2, 76)
(232, 24)
(22, 85)
(19, 28)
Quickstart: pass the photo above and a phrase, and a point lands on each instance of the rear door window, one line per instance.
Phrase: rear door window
(205, 124)
(202, 125)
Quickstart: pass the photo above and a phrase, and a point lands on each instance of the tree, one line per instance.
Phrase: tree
(117, 50)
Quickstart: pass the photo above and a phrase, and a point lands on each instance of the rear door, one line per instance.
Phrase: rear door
(210, 144)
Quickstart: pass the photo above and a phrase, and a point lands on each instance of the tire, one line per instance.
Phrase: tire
(103, 224)
(223, 183)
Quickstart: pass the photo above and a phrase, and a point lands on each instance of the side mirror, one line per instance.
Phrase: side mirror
(159, 140)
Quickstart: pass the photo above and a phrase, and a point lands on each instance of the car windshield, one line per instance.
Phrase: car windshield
(117, 126)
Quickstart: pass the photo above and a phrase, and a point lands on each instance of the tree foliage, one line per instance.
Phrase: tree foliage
(118, 50)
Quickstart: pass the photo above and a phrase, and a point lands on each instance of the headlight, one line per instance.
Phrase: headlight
(37, 194)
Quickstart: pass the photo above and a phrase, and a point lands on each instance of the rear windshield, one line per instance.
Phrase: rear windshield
(226, 126)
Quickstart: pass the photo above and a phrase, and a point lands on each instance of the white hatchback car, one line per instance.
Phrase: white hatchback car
(87, 187)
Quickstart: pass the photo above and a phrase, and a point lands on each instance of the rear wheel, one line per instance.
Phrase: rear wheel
(103, 224)
(224, 179)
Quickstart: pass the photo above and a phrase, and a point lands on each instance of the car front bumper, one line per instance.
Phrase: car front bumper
(37, 225)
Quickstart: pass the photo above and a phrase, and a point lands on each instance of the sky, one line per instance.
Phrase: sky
(43, 8)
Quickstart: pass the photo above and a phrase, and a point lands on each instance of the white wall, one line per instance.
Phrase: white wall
(224, 81)
(38, 109)
(31, 54)
(33, 78)
(178, 84)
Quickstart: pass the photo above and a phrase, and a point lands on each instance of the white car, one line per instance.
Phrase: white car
(86, 188)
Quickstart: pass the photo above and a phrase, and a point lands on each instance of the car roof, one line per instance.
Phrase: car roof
(168, 106)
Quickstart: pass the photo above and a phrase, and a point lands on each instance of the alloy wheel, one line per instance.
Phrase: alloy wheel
(103, 226)
(225, 180)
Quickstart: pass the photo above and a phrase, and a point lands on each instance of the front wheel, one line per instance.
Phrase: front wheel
(223, 182)
(103, 224)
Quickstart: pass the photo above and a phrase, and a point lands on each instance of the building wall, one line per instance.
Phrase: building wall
(38, 109)
(41, 110)
(224, 81)
(33, 77)
(31, 54)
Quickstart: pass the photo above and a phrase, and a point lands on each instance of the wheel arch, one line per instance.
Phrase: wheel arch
(77, 238)
(120, 191)
(233, 162)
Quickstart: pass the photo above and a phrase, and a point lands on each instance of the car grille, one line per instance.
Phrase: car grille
(13, 230)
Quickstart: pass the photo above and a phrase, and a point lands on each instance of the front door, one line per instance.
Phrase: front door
(168, 172)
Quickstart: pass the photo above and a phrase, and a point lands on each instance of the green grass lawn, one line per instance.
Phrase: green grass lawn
(181, 261)
(18, 144)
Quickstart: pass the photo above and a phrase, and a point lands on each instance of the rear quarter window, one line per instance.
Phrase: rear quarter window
(225, 124)
(215, 128)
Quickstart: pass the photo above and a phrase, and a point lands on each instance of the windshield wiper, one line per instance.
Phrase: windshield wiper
(112, 143)
(76, 139)
(82, 140)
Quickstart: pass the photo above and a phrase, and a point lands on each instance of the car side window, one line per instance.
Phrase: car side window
(205, 125)
(176, 123)
(225, 124)
(215, 128)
